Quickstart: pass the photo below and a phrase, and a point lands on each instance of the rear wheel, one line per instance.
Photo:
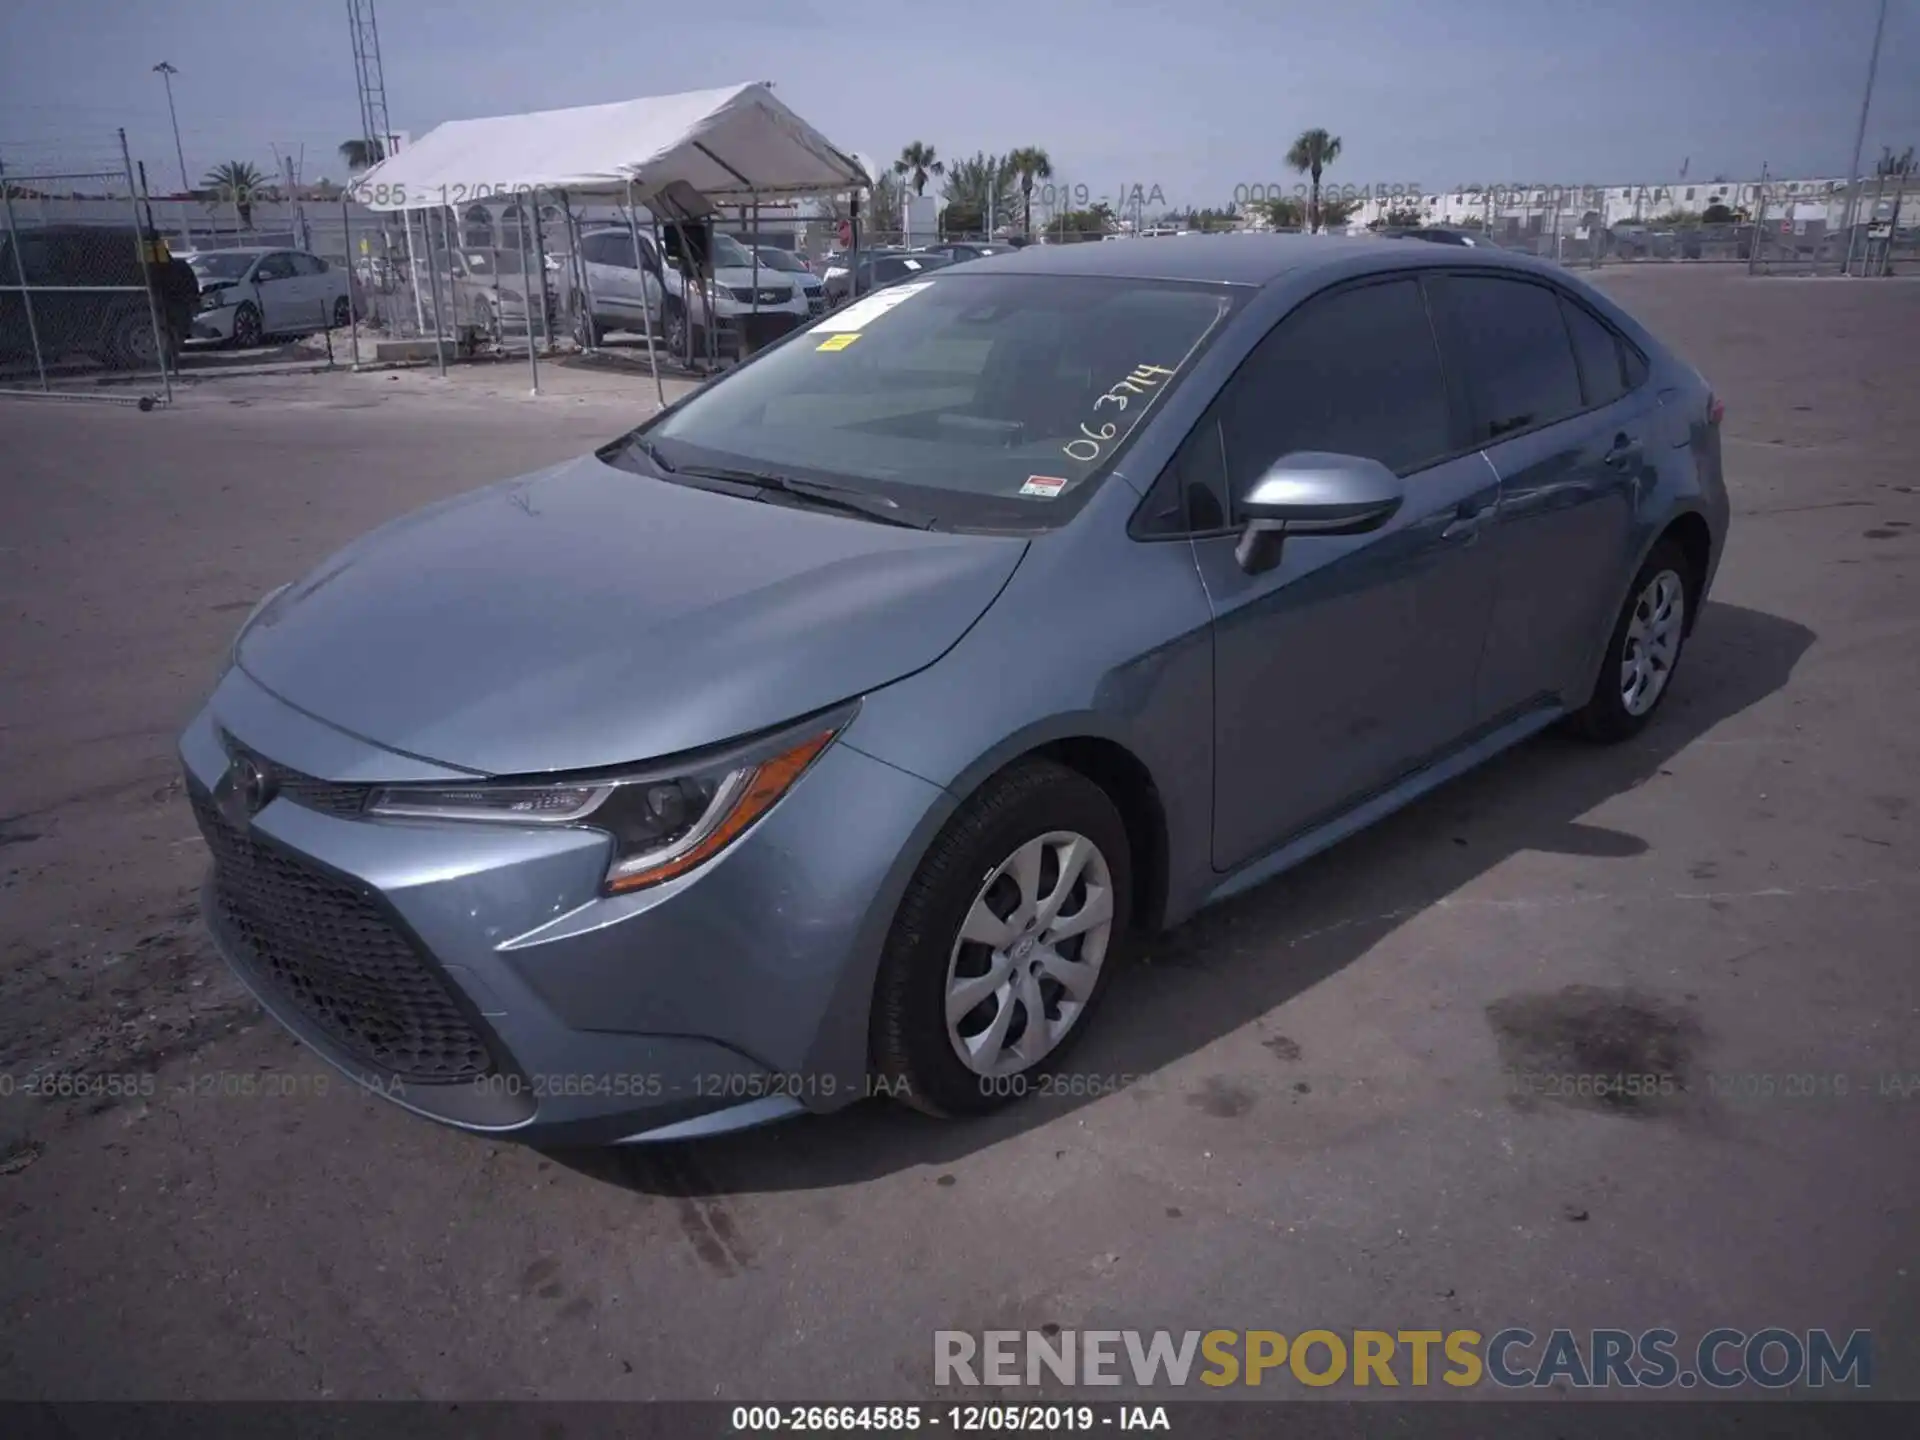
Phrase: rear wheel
(342, 313)
(587, 332)
(1644, 650)
(1003, 942)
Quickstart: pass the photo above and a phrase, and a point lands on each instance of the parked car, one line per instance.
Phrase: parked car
(250, 294)
(776, 257)
(1436, 234)
(627, 289)
(486, 288)
(114, 324)
(877, 270)
(786, 262)
(959, 250)
(834, 730)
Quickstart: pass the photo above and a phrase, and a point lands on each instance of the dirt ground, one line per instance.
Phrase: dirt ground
(1327, 1134)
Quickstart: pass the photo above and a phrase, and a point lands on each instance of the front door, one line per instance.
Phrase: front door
(278, 289)
(1352, 661)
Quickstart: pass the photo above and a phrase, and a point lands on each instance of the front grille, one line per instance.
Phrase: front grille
(330, 952)
(329, 797)
(774, 295)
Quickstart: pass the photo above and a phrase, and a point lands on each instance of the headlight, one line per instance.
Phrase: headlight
(663, 822)
(214, 299)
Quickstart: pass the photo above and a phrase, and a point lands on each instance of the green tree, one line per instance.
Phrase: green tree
(1282, 212)
(1028, 164)
(1399, 217)
(240, 182)
(1890, 165)
(1311, 154)
(1336, 211)
(361, 154)
(977, 190)
(1093, 223)
(1718, 214)
(917, 163)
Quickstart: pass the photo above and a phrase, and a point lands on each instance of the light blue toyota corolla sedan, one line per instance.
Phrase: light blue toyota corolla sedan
(834, 730)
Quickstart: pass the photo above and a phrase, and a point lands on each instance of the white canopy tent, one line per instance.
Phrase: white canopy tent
(679, 155)
(733, 145)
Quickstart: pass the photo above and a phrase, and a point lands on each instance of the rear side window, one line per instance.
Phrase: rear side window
(1513, 342)
(1600, 353)
(304, 264)
(1355, 372)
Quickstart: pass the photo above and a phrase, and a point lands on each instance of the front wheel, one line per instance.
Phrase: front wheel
(1644, 650)
(1003, 942)
(246, 326)
(130, 342)
(342, 313)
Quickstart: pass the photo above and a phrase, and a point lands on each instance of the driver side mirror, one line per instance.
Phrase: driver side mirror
(1312, 492)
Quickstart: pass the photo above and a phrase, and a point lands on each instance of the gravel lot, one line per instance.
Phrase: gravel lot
(1327, 1136)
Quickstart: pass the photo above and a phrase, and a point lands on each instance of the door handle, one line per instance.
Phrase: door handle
(1465, 524)
(1625, 451)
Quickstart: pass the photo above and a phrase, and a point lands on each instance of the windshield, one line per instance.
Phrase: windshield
(976, 398)
(219, 266)
(771, 259)
(728, 251)
(479, 262)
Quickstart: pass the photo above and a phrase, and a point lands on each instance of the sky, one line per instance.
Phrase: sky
(1198, 99)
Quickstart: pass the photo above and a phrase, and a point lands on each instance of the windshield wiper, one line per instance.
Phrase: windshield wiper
(652, 451)
(820, 492)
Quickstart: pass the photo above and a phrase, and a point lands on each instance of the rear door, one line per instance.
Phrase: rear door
(1568, 437)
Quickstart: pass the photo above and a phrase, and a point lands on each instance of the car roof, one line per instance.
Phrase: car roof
(1252, 259)
(241, 250)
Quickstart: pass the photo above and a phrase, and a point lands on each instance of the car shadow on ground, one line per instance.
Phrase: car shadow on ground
(1244, 957)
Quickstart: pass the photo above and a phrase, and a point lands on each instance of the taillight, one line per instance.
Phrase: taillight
(1715, 410)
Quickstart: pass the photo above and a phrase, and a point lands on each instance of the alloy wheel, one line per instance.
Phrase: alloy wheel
(1029, 953)
(1653, 642)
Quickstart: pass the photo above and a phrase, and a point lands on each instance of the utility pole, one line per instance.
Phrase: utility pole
(167, 72)
(1860, 131)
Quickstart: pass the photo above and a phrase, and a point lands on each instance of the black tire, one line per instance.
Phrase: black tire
(911, 1049)
(485, 319)
(342, 313)
(673, 330)
(129, 343)
(246, 327)
(1606, 719)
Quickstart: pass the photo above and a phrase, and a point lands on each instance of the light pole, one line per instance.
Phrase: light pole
(167, 72)
(1860, 132)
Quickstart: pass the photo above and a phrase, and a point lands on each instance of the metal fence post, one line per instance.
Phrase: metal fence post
(433, 282)
(526, 286)
(646, 312)
(20, 270)
(147, 275)
(353, 308)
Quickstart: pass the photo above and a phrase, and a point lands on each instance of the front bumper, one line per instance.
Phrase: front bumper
(475, 975)
(213, 324)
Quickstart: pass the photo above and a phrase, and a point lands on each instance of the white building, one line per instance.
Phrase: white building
(1573, 207)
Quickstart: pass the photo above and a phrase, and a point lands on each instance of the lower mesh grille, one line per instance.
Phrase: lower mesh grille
(330, 952)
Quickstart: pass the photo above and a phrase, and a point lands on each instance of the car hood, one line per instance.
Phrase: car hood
(586, 616)
(742, 275)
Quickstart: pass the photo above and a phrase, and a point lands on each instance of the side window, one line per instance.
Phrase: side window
(1189, 496)
(274, 267)
(1355, 372)
(304, 264)
(1600, 353)
(1634, 365)
(1514, 345)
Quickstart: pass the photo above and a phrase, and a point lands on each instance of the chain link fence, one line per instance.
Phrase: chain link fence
(83, 303)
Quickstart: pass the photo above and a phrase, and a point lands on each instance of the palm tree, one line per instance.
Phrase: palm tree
(1891, 164)
(1312, 153)
(238, 181)
(1029, 163)
(917, 161)
(361, 154)
(977, 191)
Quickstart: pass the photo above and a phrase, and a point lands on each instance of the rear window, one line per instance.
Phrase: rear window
(982, 399)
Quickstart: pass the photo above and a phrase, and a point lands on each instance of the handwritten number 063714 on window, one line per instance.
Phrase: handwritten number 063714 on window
(1139, 381)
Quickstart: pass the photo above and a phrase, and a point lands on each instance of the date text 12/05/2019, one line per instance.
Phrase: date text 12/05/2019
(398, 195)
(963, 1419)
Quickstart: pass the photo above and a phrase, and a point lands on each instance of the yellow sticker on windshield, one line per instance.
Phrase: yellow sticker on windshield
(838, 342)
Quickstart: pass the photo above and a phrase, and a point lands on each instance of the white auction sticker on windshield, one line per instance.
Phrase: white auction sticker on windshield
(863, 313)
(1044, 486)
